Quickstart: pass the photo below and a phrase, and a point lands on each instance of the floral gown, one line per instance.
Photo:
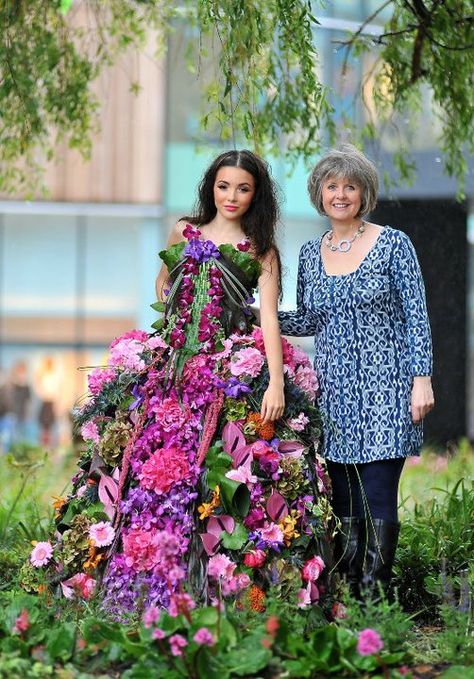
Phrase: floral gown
(183, 494)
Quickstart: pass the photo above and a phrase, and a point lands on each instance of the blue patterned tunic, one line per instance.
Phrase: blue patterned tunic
(372, 335)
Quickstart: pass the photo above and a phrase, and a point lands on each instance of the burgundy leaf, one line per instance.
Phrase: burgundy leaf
(291, 448)
(108, 490)
(232, 438)
(277, 508)
(210, 542)
(217, 524)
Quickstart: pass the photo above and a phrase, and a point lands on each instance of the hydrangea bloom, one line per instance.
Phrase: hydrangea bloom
(98, 378)
(247, 361)
(164, 469)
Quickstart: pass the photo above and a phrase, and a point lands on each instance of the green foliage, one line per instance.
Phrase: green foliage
(426, 48)
(263, 87)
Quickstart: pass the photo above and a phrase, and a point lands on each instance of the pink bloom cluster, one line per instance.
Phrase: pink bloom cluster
(247, 361)
(22, 622)
(369, 642)
(152, 549)
(127, 354)
(163, 469)
(98, 378)
(204, 637)
(90, 431)
(298, 423)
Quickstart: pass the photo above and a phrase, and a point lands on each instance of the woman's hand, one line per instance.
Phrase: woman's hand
(273, 403)
(422, 398)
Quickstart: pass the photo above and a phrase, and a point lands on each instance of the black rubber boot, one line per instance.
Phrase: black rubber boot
(348, 552)
(377, 563)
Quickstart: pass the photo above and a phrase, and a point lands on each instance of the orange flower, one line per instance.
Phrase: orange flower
(257, 599)
(58, 504)
(255, 425)
(94, 559)
(205, 510)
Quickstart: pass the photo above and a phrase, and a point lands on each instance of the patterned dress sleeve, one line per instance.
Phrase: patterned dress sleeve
(408, 282)
(302, 322)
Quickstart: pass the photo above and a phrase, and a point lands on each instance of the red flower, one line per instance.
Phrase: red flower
(255, 559)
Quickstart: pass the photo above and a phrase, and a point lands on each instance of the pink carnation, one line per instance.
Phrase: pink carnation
(204, 637)
(81, 585)
(271, 533)
(101, 534)
(220, 566)
(369, 642)
(90, 432)
(247, 361)
(171, 414)
(98, 378)
(313, 569)
(163, 469)
(141, 549)
(41, 554)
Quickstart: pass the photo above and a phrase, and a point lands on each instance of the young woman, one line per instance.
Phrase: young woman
(361, 294)
(200, 479)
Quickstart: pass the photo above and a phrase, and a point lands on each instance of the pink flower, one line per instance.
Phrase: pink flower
(163, 469)
(204, 637)
(339, 611)
(177, 642)
(98, 378)
(102, 534)
(139, 335)
(404, 670)
(298, 423)
(243, 245)
(312, 569)
(255, 559)
(181, 604)
(145, 550)
(220, 566)
(235, 584)
(81, 585)
(271, 533)
(156, 342)
(90, 432)
(150, 616)
(158, 633)
(305, 378)
(22, 623)
(247, 361)
(127, 354)
(308, 595)
(242, 474)
(41, 554)
(369, 642)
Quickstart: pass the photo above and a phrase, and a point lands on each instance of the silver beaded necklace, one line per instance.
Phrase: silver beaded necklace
(345, 244)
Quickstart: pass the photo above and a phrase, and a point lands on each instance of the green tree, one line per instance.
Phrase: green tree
(265, 87)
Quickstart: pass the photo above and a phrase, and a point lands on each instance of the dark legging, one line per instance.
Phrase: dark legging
(379, 482)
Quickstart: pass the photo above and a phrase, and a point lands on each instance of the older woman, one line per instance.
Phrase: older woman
(360, 293)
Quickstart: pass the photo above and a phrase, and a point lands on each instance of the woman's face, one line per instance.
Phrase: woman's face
(342, 199)
(234, 189)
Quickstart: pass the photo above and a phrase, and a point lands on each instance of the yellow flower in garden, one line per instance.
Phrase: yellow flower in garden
(288, 527)
(205, 510)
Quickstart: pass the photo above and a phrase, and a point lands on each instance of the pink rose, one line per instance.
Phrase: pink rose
(255, 559)
(339, 611)
(312, 569)
(369, 642)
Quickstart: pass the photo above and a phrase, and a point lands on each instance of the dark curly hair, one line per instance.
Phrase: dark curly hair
(260, 221)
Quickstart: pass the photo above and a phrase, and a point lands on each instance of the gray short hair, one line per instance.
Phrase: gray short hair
(345, 162)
